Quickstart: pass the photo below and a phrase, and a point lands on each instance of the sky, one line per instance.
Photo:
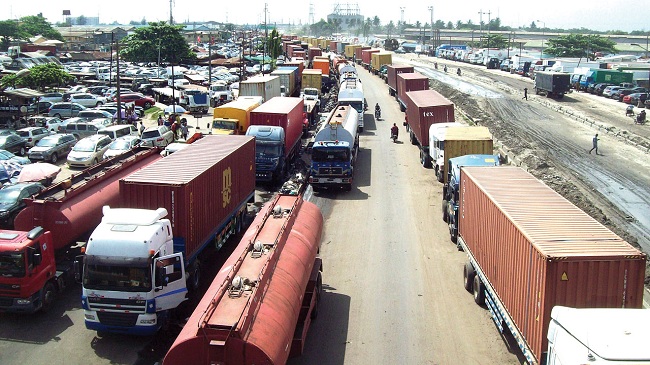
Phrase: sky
(625, 15)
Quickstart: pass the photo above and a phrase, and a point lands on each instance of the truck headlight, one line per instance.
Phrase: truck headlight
(23, 301)
(148, 321)
(90, 317)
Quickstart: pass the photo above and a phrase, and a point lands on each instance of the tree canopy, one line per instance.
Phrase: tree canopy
(145, 43)
(37, 24)
(579, 45)
(39, 77)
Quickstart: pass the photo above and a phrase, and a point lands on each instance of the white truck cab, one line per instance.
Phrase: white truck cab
(437, 145)
(598, 336)
(131, 276)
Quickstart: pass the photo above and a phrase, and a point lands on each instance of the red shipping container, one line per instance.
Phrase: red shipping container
(333, 46)
(313, 52)
(410, 82)
(357, 53)
(366, 54)
(391, 76)
(300, 65)
(201, 187)
(424, 108)
(282, 112)
(538, 250)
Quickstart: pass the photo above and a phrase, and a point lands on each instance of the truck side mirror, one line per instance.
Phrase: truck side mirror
(38, 258)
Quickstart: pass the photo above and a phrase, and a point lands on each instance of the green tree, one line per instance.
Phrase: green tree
(39, 77)
(8, 30)
(36, 24)
(81, 20)
(449, 25)
(144, 44)
(496, 41)
(376, 23)
(579, 45)
(274, 44)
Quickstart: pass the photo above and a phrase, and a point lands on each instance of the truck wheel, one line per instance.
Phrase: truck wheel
(468, 277)
(445, 214)
(452, 234)
(478, 289)
(439, 174)
(47, 296)
(317, 292)
(412, 138)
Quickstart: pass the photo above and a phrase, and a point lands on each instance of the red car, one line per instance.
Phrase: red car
(140, 100)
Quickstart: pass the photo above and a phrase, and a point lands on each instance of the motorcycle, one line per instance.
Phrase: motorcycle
(393, 136)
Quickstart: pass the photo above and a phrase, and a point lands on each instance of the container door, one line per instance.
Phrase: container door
(170, 281)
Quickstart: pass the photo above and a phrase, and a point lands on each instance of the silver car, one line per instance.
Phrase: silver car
(65, 110)
(157, 136)
(52, 147)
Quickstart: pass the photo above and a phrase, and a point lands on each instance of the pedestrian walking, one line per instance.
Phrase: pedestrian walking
(184, 130)
(141, 128)
(525, 93)
(594, 143)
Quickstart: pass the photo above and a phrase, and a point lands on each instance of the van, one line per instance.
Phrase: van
(117, 131)
(83, 129)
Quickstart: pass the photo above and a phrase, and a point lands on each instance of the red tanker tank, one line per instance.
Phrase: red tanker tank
(73, 207)
(260, 305)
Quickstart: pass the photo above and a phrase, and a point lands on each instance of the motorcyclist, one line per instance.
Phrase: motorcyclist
(458, 71)
(640, 119)
(629, 111)
(394, 131)
(445, 68)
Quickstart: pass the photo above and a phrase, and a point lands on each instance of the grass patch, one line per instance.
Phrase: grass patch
(153, 112)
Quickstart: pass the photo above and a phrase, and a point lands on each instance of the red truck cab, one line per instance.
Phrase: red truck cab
(28, 275)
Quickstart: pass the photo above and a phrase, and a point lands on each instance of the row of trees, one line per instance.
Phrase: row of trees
(26, 27)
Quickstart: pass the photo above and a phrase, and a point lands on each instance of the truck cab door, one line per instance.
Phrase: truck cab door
(169, 280)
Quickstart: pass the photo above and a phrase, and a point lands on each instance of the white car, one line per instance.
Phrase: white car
(88, 151)
(88, 100)
(122, 145)
(32, 135)
(157, 136)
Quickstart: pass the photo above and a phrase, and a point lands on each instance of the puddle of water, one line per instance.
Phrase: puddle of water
(458, 84)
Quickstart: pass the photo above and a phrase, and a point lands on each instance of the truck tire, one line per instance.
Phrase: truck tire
(478, 289)
(195, 275)
(412, 138)
(452, 234)
(317, 292)
(439, 174)
(468, 277)
(445, 214)
(47, 296)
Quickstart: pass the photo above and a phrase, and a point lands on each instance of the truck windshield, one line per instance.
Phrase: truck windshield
(116, 277)
(224, 124)
(12, 265)
(357, 105)
(330, 155)
(268, 149)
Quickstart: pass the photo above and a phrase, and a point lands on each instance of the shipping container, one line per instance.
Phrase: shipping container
(299, 65)
(201, 196)
(379, 59)
(266, 86)
(349, 50)
(391, 76)
(465, 140)
(312, 78)
(314, 51)
(288, 80)
(333, 46)
(532, 250)
(366, 55)
(424, 108)
(358, 53)
(282, 112)
(410, 82)
(340, 47)
(323, 65)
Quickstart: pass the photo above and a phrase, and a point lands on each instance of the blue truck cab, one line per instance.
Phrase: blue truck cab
(450, 191)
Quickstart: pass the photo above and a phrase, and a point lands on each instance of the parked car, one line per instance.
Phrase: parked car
(122, 145)
(88, 100)
(13, 143)
(39, 107)
(633, 99)
(64, 124)
(10, 157)
(51, 123)
(598, 90)
(140, 100)
(157, 136)
(52, 147)
(88, 151)
(624, 92)
(32, 135)
(97, 90)
(11, 200)
(90, 114)
(54, 97)
(83, 129)
(609, 90)
(65, 110)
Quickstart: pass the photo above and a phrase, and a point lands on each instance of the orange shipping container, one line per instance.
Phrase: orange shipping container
(537, 250)
(323, 65)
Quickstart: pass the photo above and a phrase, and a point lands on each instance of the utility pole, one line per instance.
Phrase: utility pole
(171, 19)
(117, 54)
(431, 38)
(266, 37)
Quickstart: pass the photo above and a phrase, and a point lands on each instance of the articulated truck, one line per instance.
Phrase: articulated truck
(334, 152)
(149, 248)
(260, 305)
(530, 250)
(234, 117)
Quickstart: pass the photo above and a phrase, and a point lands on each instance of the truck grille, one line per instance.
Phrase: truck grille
(9, 289)
(98, 303)
(330, 170)
(117, 319)
(6, 302)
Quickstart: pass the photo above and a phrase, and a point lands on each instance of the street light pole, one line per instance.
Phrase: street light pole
(431, 38)
(541, 55)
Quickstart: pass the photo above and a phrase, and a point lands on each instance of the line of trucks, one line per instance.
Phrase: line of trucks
(565, 287)
(147, 230)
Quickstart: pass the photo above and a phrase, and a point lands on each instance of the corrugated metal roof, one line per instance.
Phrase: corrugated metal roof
(24, 93)
(185, 165)
(412, 75)
(278, 104)
(427, 98)
(553, 224)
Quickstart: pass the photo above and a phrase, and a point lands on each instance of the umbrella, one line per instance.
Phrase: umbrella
(176, 109)
(39, 172)
(8, 170)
